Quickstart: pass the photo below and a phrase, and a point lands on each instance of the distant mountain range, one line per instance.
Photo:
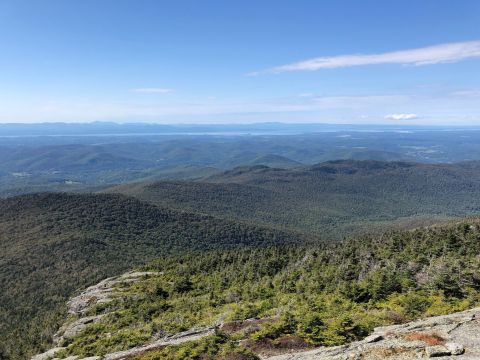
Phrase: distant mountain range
(112, 128)
(78, 163)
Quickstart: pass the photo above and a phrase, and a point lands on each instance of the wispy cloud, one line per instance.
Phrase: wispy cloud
(359, 101)
(436, 109)
(401, 116)
(443, 53)
(152, 90)
(74, 109)
(473, 93)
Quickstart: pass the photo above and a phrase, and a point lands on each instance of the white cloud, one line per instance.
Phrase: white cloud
(152, 90)
(401, 116)
(443, 53)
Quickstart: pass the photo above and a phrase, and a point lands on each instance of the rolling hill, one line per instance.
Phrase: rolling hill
(33, 163)
(332, 198)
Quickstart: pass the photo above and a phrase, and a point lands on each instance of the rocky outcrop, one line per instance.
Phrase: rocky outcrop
(191, 335)
(455, 336)
(69, 330)
(47, 355)
(78, 305)
(102, 292)
(94, 295)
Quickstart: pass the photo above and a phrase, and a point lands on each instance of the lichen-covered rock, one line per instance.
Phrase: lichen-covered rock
(190, 335)
(48, 354)
(373, 338)
(78, 305)
(69, 330)
(101, 292)
(437, 351)
(455, 349)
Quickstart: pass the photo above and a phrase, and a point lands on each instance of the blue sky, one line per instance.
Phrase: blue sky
(400, 62)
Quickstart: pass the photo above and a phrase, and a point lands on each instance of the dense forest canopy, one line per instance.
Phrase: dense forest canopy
(334, 198)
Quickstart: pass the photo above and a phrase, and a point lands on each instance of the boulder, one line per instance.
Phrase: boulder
(455, 348)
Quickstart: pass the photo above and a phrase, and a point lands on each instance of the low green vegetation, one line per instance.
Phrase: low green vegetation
(263, 300)
(215, 347)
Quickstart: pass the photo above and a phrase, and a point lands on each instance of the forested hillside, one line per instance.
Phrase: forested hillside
(279, 298)
(334, 198)
(53, 244)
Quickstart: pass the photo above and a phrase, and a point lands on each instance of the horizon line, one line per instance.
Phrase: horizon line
(234, 124)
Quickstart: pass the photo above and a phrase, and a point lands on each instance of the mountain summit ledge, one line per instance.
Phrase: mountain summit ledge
(453, 336)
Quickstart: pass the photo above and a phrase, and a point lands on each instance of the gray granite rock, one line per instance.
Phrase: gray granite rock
(455, 348)
(437, 351)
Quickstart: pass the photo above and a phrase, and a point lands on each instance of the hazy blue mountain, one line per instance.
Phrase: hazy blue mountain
(78, 162)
